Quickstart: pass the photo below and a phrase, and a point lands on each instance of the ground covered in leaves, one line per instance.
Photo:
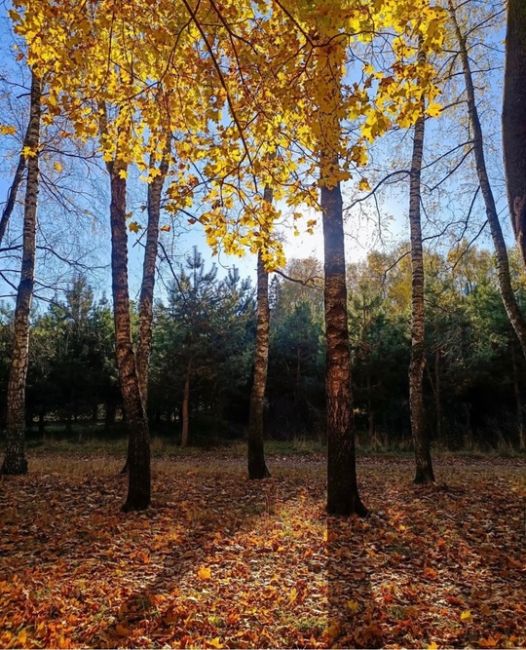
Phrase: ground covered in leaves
(219, 561)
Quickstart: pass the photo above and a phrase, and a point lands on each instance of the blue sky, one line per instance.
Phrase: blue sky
(89, 236)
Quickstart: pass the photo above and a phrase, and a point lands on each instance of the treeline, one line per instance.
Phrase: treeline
(203, 346)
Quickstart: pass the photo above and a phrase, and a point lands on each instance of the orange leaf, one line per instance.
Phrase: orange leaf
(204, 573)
(122, 630)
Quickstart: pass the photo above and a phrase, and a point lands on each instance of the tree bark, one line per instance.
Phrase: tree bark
(501, 254)
(13, 190)
(438, 395)
(185, 408)
(15, 461)
(139, 478)
(144, 345)
(514, 118)
(342, 487)
(423, 464)
(518, 400)
(257, 468)
(372, 438)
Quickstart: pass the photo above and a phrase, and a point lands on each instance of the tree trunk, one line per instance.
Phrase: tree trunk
(139, 440)
(514, 118)
(438, 395)
(423, 464)
(13, 190)
(373, 438)
(148, 275)
(518, 400)
(342, 487)
(15, 461)
(257, 468)
(503, 269)
(185, 408)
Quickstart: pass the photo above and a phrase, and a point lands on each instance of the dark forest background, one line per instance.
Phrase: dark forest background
(204, 333)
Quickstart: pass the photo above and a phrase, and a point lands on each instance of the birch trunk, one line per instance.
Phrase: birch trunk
(257, 468)
(15, 461)
(421, 443)
(342, 487)
(139, 441)
(514, 118)
(501, 254)
(144, 345)
(13, 190)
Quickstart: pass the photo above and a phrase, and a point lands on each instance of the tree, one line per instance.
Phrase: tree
(144, 344)
(15, 461)
(321, 122)
(424, 468)
(121, 110)
(71, 367)
(202, 348)
(257, 468)
(506, 289)
(513, 119)
(192, 302)
(138, 497)
(296, 365)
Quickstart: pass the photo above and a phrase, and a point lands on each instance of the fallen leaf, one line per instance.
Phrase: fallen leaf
(204, 573)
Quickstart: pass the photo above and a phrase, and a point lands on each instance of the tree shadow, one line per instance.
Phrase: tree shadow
(353, 620)
(176, 603)
(442, 564)
(437, 564)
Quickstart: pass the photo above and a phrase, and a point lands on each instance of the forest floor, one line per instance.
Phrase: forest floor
(219, 561)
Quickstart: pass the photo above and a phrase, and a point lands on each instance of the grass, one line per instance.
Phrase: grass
(302, 447)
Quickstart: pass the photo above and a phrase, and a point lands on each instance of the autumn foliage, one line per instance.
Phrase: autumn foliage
(220, 561)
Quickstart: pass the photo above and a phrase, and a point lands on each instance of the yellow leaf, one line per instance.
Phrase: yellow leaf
(134, 226)
(123, 173)
(353, 606)
(465, 615)
(57, 166)
(432, 646)
(27, 152)
(7, 129)
(293, 595)
(22, 638)
(215, 643)
(434, 109)
(165, 228)
(332, 631)
(364, 185)
(204, 573)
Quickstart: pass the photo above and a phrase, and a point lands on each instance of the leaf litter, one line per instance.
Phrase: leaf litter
(223, 562)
